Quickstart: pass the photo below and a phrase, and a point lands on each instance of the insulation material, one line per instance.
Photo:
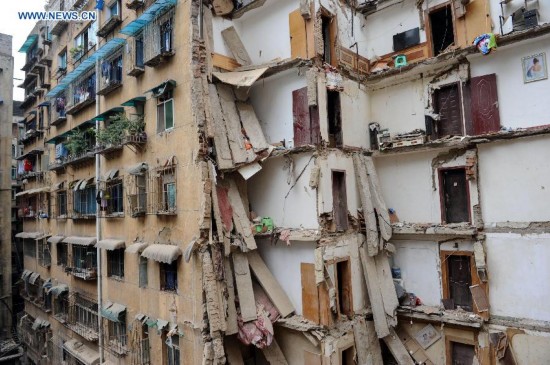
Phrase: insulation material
(314, 176)
(236, 46)
(479, 256)
(258, 332)
(311, 79)
(222, 7)
(248, 171)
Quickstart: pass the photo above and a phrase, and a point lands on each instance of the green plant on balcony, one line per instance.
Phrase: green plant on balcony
(76, 142)
(76, 52)
(119, 127)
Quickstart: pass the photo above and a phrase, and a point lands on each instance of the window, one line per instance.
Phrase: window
(169, 276)
(13, 192)
(62, 60)
(139, 51)
(61, 307)
(334, 115)
(442, 29)
(84, 261)
(459, 351)
(14, 173)
(84, 201)
(13, 151)
(328, 28)
(117, 336)
(47, 299)
(343, 282)
(114, 9)
(85, 313)
(168, 193)
(114, 198)
(29, 247)
(61, 204)
(166, 36)
(347, 356)
(172, 344)
(115, 263)
(454, 195)
(44, 253)
(143, 272)
(165, 112)
(84, 42)
(144, 346)
(339, 200)
(62, 249)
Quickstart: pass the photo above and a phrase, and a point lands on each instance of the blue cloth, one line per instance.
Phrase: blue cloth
(485, 43)
(99, 4)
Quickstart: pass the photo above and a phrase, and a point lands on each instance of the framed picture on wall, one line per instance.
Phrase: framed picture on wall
(534, 68)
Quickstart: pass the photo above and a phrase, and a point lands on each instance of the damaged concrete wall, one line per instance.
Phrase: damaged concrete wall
(272, 101)
(512, 190)
(517, 288)
(284, 263)
(531, 349)
(277, 192)
(355, 111)
(255, 28)
(521, 105)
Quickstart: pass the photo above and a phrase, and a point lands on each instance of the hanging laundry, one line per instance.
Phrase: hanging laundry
(485, 43)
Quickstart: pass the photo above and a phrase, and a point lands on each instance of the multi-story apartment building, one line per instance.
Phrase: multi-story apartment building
(293, 182)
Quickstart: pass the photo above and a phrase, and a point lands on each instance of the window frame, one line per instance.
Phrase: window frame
(162, 101)
(449, 340)
(143, 272)
(62, 254)
(61, 210)
(115, 206)
(164, 271)
(445, 284)
(115, 264)
(172, 353)
(443, 207)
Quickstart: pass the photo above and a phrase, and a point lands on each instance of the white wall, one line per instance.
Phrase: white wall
(264, 31)
(399, 108)
(544, 11)
(518, 275)
(355, 115)
(521, 105)
(420, 269)
(339, 161)
(531, 349)
(515, 180)
(383, 25)
(284, 263)
(272, 101)
(267, 190)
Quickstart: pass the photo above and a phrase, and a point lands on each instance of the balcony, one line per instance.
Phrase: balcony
(111, 73)
(158, 40)
(135, 4)
(82, 158)
(134, 59)
(121, 131)
(109, 26)
(81, 93)
(57, 165)
(81, 102)
(29, 63)
(59, 115)
(28, 101)
(83, 273)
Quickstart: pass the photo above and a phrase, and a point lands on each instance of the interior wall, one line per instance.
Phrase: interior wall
(514, 186)
(272, 101)
(420, 269)
(531, 349)
(355, 115)
(521, 104)
(284, 263)
(544, 11)
(518, 268)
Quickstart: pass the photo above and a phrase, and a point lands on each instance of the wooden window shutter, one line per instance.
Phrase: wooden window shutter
(485, 114)
(310, 296)
(301, 117)
(301, 36)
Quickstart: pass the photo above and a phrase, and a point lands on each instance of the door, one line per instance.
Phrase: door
(455, 196)
(339, 200)
(462, 354)
(485, 111)
(307, 129)
(460, 280)
(447, 105)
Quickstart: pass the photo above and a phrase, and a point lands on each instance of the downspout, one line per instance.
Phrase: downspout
(98, 209)
(200, 20)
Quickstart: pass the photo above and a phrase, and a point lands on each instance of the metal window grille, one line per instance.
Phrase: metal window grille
(84, 203)
(137, 194)
(84, 260)
(62, 249)
(44, 253)
(61, 204)
(138, 344)
(83, 317)
(113, 200)
(117, 337)
(158, 37)
(61, 307)
(172, 344)
(143, 279)
(115, 263)
(162, 190)
(82, 90)
(111, 69)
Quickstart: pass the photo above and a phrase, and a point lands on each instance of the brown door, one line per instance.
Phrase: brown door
(306, 119)
(339, 200)
(462, 354)
(343, 274)
(460, 280)
(447, 105)
(455, 196)
(485, 113)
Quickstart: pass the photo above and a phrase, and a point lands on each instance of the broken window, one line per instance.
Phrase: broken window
(334, 114)
(169, 276)
(306, 119)
(62, 249)
(461, 354)
(442, 29)
(343, 280)
(339, 200)
(455, 202)
(328, 28)
(457, 279)
(115, 263)
(447, 104)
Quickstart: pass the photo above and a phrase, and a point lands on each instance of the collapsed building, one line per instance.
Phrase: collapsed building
(324, 182)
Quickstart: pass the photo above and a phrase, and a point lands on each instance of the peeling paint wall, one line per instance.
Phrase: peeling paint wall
(355, 115)
(511, 189)
(284, 262)
(518, 273)
(531, 349)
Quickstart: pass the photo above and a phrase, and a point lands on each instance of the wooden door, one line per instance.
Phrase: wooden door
(460, 280)
(339, 200)
(301, 117)
(447, 105)
(485, 110)
(462, 354)
(455, 207)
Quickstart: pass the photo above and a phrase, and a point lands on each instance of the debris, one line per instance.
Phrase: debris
(236, 46)
(397, 349)
(240, 216)
(248, 171)
(245, 292)
(274, 355)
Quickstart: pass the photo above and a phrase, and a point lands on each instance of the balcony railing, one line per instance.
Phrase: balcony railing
(83, 273)
(81, 93)
(111, 73)
(109, 26)
(58, 111)
(158, 38)
(80, 158)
